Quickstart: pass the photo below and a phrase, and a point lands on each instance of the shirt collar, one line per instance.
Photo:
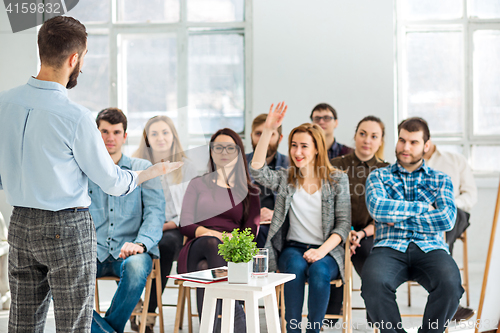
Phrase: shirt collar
(396, 167)
(47, 85)
(125, 162)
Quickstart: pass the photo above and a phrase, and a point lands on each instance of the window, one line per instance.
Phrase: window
(186, 59)
(448, 73)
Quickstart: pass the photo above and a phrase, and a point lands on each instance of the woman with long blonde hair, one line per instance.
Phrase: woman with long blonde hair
(311, 220)
(160, 142)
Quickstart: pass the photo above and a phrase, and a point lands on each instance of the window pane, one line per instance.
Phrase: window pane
(486, 9)
(92, 90)
(432, 79)
(486, 158)
(431, 9)
(149, 78)
(91, 11)
(457, 149)
(486, 82)
(215, 10)
(216, 83)
(148, 11)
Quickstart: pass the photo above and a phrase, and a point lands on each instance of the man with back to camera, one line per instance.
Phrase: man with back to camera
(465, 192)
(49, 147)
(412, 206)
(128, 228)
(274, 160)
(326, 117)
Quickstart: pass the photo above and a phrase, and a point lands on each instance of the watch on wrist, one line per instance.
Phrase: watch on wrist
(363, 230)
(143, 246)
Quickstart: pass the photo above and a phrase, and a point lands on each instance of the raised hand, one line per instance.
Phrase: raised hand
(275, 118)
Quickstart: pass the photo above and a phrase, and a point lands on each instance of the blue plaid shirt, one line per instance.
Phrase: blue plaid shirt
(394, 195)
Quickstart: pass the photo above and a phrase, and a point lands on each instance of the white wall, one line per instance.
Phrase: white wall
(334, 51)
(18, 61)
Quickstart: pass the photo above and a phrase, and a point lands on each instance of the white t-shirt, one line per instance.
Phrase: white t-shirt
(305, 218)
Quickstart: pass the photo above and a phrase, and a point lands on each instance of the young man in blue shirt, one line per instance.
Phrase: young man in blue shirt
(412, 205)
(128, 228)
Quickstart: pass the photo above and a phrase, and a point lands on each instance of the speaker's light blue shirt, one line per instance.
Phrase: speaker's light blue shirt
(50, 147)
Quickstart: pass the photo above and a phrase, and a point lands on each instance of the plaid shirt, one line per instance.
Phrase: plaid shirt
(394, 195)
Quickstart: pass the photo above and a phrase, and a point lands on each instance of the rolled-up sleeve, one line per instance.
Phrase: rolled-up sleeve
(94, 160)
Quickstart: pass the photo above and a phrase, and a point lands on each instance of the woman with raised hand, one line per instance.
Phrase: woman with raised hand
(160, 142)
(311, 220)
(221, 200)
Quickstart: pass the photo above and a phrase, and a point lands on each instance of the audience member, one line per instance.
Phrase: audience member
(311, 220)
(128, 228)
(412, 206)
(275, 161)
(465, 192)
(326, 117)
(367, 156)
(160, 142)
(220, 201)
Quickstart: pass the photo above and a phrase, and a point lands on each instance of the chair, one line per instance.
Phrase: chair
(464, 270)
(346, 315)
(156, 275)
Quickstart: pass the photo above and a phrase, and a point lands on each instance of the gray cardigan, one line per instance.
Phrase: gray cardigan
(335, 211)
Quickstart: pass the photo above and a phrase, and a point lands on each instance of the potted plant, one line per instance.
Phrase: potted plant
(238, 249)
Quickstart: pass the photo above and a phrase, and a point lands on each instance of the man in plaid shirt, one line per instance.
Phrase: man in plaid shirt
(412, 205)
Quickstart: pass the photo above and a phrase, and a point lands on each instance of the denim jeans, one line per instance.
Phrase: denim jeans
(133, 272)
(386, 269)
(318, 274)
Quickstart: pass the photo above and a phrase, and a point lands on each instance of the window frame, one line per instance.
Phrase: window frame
(467, 25)
(182, 29)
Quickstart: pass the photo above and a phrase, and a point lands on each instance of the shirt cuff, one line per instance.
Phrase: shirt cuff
(133, 182)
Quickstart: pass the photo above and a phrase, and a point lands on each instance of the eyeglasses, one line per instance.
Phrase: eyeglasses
(327, 119)
(230, 149)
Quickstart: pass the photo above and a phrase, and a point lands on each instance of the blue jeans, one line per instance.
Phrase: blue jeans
(386, 269)
(133, 272)
(318, 274)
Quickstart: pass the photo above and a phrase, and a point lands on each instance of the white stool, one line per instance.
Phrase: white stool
(250, 293)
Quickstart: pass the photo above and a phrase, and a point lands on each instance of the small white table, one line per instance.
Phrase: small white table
(250, 293)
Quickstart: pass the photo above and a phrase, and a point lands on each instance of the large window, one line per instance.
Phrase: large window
(187, 59)
(448, 56)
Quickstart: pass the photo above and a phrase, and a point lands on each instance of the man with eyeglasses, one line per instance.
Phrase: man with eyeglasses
(326, 117)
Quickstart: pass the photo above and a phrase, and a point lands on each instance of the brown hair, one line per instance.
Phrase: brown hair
(60, 37)
(243, 182)
(415, 124)
(113, 116)
(380, 152)
(177, 153)
(260, 119)
(323, 169)
(324, 106)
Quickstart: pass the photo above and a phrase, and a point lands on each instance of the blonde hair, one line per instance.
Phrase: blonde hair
(322, 167)
(176, 152)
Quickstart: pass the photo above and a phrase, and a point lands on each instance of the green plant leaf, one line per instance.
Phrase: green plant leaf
(239, 248)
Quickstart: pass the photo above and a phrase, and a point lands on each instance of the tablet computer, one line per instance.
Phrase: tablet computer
(207, 275)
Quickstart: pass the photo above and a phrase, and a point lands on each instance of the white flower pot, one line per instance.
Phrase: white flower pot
(239, 272)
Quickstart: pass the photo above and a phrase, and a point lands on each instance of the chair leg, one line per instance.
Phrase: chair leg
(466, 267)
(97, 308)
(189, 310)
(179, 313)
(144, 315)
(158, 296)
(409, 292)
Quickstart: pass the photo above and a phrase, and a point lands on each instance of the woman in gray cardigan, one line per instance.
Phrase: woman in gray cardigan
(311, 220)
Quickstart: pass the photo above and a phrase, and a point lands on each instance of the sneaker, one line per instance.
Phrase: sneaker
(463, 314)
